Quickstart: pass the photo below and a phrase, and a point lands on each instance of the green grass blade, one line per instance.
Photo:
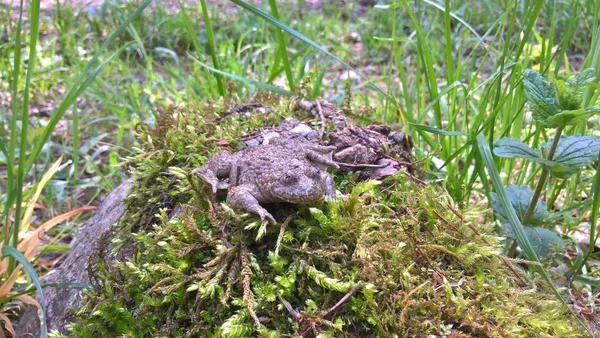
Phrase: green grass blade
(276, 71)
(438, 131)
(19, 291)
(282, 48)
(265, 86)
(441, 94)
(515, 224)
(212, 46)
(13, 122)
(190, 29)
(303, 38)
(77, 88)
(593, 223)
(454, 16)
(34, 17)
(19, 257)
(76, 141)
(81, 89)
(427, 62)
(132, 31)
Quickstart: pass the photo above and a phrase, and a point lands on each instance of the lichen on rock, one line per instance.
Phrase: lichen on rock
(388, 257)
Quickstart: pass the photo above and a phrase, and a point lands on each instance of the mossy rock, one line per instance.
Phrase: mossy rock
(391, 258)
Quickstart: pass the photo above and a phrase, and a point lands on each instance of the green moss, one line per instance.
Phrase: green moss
(420, 269)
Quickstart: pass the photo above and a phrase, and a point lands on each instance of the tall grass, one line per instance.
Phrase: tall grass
(22, 154)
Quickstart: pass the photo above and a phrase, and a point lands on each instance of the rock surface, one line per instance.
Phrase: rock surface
(74, 269)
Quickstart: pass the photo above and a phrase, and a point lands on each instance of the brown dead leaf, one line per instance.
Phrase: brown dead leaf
(30, 244)
(30, 301)
(10, 282)
(29, 210)
(223, 143)
(388, 169)
(8, 325)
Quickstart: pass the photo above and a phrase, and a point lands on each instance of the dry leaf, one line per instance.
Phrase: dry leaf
(29, 244)
(29, 300)
(29, 210)
(7, 324)
(10, 282)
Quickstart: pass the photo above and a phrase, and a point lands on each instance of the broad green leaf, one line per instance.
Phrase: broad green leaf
(510, 147)
(572, 154)
(543, 241)
(570, 92)
(515, 224)
(520, 199)
(541, 96)
(573, 117)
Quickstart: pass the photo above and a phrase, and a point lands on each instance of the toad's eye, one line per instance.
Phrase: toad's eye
(289, 177)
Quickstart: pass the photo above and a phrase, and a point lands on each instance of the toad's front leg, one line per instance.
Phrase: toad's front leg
(242, 197)
(216, 169)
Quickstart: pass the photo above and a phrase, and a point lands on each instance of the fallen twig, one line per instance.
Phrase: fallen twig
(295, 314)
(323, 121)
(362, 165)
(334, 308)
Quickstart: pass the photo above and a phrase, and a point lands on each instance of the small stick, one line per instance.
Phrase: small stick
(334, 308)
(342, 301)
(297, 316)
(323, 122)
(224, 235)
(362, 165)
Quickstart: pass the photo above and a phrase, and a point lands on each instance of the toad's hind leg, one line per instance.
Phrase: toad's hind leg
(241, 197)
(320, 160)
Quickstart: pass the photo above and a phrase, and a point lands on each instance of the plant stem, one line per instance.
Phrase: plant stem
(282, 48)
(212, 47)
(542, 182)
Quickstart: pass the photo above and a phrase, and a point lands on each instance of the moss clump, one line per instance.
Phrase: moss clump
(391, 254)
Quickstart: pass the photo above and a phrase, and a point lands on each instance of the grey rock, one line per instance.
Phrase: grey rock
(302, 129)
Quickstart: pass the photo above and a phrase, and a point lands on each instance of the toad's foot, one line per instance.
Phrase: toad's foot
(241, 197)
(208, 177)
(329, 187)
(216, 169)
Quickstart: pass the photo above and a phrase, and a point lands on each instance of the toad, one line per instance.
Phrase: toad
(285, 170)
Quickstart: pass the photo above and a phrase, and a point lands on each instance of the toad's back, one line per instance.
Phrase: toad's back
(263, 164)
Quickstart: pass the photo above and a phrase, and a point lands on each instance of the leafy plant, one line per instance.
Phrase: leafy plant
(557, 104)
